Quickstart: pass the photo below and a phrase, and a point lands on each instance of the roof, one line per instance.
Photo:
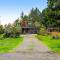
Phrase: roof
(53, 28)
(28, 27)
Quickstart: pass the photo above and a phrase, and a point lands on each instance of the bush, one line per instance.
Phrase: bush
(11, 31)
(42, 31)
(55, 37)
(15, 35)
(1, 29)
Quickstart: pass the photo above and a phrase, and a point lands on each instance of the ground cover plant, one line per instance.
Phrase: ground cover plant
(52, 43)
(7, 44)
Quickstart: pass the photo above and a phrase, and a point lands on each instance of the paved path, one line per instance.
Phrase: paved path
(31, 49)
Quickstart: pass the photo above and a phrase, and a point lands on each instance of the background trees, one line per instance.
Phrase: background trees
(12, 30)
(35, 15)
(51, 14)
(50, 17)
(1, 29)
(33, 18)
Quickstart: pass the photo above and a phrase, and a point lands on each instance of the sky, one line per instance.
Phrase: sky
(10, 10)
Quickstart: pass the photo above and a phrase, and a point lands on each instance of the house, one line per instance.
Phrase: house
(28, 27)
(54, 31)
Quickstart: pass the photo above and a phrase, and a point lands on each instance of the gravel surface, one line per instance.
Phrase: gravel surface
(31, 49)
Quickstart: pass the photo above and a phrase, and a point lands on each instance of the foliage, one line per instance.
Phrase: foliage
(42, 30)
(33, 19)
(12, 30)
(35, 15)
(51, 14)
(55, 35)
(1, 29)
(22, 15)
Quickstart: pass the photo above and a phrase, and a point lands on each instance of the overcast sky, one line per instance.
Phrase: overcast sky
(10, 10)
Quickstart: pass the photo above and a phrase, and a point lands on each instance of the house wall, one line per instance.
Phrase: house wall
(29, 30)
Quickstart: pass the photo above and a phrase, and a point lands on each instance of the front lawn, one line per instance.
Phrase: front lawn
(7, 44)
(53, 44)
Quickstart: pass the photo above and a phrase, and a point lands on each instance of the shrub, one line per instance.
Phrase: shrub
(55, 35)
(11, 31)
(1, 29)
(42, 30)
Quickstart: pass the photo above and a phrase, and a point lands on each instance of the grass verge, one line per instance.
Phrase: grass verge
(8, 44)
(53, 44)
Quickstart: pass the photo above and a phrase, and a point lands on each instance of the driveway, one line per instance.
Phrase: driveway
(31, 49)
(31, 44)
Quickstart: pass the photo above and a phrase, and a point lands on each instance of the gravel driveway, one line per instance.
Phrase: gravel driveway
(31, 49)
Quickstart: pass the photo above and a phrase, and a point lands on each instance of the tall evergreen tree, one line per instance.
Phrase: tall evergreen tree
(52, 13)
(35, 15)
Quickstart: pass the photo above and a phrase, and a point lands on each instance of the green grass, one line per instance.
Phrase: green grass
(53, 44)
(8, 44)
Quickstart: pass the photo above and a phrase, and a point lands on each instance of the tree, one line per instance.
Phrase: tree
(17, 27)
(51, 14)
(1, 29)
(54, 4)
(12, 30)
(16, 22)
(7, 30)
(35, 15)
(25, 17)
(22, 15)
